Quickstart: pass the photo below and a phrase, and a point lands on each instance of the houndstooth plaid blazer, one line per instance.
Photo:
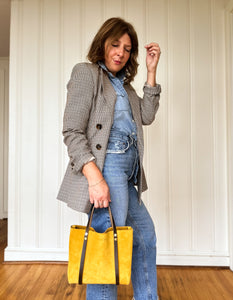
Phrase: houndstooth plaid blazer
(88, 118)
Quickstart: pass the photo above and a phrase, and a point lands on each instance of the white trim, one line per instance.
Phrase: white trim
(35, 254)
(193, 260)
(229, 94)
(4, 68)
(166, 258)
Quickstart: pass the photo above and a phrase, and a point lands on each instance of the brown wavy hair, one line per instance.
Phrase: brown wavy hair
(113, 29)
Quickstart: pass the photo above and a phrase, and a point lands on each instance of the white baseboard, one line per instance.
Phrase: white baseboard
(191, 259)
(166, 258)
(35, 254)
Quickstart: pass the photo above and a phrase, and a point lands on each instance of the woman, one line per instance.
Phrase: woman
(103, 132)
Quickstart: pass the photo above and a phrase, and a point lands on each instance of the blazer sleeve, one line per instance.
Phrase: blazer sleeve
(150, 103)
(76, 116)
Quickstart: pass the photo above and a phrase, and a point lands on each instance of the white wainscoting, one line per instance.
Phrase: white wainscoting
(229, 94)
(186, 147)
(4, 100)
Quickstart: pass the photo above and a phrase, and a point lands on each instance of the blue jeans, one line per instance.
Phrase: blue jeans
(119, 171)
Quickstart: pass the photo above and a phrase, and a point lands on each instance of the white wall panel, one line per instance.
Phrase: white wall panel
(203, 171)
(51, 72)
(29, 127)
(113, 8)
(15, 90)
(185, 155)
(4, 100)
(157, 133)
(92, 18)
(219, 128)
(229, 95)
(179, 126)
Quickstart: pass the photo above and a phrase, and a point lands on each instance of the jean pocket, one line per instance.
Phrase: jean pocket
(117, 146)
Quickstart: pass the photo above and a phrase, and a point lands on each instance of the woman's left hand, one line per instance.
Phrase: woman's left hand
(152, 56)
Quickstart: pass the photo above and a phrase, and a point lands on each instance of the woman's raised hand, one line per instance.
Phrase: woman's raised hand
(152, 56)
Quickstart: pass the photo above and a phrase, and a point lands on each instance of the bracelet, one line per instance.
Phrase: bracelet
(96, 183)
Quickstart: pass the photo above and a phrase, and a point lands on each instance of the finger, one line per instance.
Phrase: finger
(108, 198)
(153, 49)
(106, 203)
(151, 45)
(156, 52)
(96, 204)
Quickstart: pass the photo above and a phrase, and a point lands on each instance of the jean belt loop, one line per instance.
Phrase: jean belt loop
(131, 141)
(135, 143)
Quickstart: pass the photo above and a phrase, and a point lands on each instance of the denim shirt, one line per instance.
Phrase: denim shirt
(123, 118)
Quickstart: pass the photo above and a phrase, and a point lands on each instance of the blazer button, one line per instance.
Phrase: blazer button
(98, 146)
(72, 164)
(99, 126)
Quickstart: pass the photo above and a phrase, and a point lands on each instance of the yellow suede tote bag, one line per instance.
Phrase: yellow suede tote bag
(100, 258)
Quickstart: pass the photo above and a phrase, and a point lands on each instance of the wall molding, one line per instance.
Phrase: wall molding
(4, 74)
(229, 95)
(35, 254)
(193, 259)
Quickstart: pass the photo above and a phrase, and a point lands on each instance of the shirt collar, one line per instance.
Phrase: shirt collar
(120, 75)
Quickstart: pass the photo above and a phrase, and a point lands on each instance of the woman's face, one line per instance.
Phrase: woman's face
(117, 53)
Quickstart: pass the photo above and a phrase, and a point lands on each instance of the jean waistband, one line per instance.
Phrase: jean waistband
(123, 136)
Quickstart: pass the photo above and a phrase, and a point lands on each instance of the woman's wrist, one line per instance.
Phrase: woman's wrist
(98, 182)
(92, 173)
(151, 78)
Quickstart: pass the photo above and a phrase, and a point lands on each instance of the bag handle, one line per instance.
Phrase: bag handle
(80, 281)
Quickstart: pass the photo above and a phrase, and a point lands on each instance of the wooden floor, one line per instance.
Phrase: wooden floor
(49, 281)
